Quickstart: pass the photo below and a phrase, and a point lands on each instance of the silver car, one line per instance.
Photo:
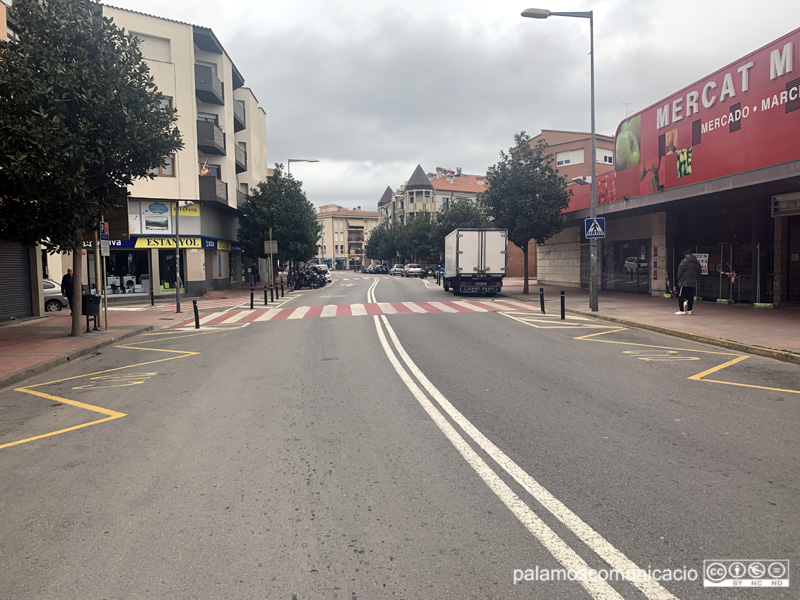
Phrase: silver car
(413, 270)
(54, 300)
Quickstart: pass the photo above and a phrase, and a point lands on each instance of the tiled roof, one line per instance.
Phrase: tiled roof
(464, 183)
(387, 196)
(353, 214)
(419, 180)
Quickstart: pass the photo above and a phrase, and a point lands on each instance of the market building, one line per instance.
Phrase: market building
(343, 235)
(714, 168)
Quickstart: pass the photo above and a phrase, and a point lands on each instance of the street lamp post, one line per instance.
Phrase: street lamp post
(541, 13)
(291, 160)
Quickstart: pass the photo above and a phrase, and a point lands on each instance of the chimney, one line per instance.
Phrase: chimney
(358, 208)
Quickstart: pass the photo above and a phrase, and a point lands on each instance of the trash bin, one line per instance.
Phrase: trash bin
(91, 305)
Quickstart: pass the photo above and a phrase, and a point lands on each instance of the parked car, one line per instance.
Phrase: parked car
(633, 264)
(397, 270)
(381, 269)
(54, 300)
(413, 270)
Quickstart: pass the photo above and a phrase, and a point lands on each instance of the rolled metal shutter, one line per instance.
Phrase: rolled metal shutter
(15, 281)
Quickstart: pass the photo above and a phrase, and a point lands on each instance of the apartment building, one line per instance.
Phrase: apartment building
(344, 235)
(224, 155)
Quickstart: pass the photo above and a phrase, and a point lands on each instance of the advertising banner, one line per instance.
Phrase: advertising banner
(742, 117)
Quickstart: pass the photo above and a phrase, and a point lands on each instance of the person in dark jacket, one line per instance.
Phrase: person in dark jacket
(688, 274)
(66, 286)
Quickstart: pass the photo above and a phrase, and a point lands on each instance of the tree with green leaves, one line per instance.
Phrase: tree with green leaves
(81, 118)
(280, 204)
(382, 243)
(413, 238)
(460, 214)
(526, 195)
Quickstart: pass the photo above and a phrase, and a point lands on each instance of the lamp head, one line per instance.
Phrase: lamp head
(536, 13)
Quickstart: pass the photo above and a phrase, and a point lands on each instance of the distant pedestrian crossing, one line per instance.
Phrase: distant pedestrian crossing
(288, 313)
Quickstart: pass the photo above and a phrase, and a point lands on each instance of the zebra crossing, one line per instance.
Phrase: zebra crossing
(241, 316)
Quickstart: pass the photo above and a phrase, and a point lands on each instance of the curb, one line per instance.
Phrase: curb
(782, 355)
(13, 378)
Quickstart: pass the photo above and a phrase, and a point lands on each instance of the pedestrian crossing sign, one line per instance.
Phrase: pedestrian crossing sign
(595, 228)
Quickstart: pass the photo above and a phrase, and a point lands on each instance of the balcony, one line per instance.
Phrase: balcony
(241, 160)
(207, 86)
(213, 190)
(355, 239)
(239, 115)
(240, 198)
(210, 138)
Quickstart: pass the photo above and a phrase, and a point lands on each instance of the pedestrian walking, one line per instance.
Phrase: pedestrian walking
(66, 287)
(688, 273)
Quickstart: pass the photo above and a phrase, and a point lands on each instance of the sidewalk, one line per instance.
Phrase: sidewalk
(768, 332)
(33, 346)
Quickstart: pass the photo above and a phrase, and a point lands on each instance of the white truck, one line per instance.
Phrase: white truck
(475, 261)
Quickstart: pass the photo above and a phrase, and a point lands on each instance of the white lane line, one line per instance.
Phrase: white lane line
(518, 304)
(568, 558)
(602, 547)
(413, 307)
(470, 306)
(329, 310)
(268, 314)
(299, 312)
(387, 308)
(358, 310)
(443, 307)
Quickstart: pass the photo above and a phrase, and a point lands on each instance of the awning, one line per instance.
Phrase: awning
(355, 223)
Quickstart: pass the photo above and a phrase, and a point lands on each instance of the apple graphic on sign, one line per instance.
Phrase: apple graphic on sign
(627, 150)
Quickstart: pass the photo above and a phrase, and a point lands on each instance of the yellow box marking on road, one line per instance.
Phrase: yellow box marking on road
(102, 376)
(699, 376)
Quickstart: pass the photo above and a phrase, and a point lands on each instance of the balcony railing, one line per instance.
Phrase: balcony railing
(213, 190)
(210, 138)
(240, 197)
(239, 115)
(355, 239)
(241, 159)
(207, 85)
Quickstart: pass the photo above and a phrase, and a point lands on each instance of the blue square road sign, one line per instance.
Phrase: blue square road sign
(595, 228)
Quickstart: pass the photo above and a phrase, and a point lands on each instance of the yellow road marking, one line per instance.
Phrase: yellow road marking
(110, 414)
(700, 376)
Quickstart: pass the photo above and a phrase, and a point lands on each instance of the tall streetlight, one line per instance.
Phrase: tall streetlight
(291, 160)
(543, 13)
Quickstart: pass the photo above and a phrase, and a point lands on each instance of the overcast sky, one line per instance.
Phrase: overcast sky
(372, 88)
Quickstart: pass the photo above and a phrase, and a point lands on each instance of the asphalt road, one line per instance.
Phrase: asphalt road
(436, 454)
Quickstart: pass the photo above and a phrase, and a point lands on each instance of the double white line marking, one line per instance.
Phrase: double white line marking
(565, 555)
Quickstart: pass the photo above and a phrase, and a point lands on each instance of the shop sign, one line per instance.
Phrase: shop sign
(236, 247)
(193, 210)
(743, 117)
(167, 242)
(210, 244)
(224, 246)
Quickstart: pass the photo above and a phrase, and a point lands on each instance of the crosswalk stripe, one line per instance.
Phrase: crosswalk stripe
(329, 310)
(443, 307)
(516, 304)
(469, 306)
(387, 308)
(268, 314)
(299, 312)
(414, 307)
(358, 310)
(237, 316)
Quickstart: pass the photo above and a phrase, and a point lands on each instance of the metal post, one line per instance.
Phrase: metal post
(541, 299)
(152, 282)
(281, 288)
(265, 295)
(758, 273)
(251, 298)
(177, 261)
(593, 191)
(196, 315)
(272, 292)
(563, 306)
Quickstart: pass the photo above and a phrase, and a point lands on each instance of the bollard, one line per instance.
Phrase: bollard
(152, 297)
(541, 299)
(563, 309)
(251, 298)
(272, 292)
(196, 315)
(265, 295)
(281, 288)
